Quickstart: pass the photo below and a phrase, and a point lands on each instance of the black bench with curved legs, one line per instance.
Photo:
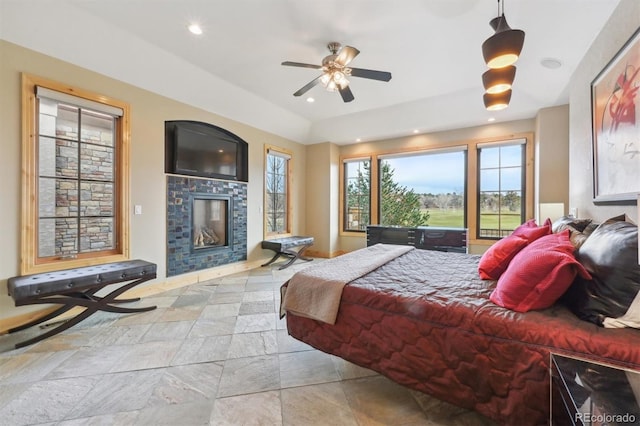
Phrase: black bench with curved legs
(284, 247)
(78, 287)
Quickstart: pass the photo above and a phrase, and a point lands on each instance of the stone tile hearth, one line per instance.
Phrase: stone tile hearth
(182, 192)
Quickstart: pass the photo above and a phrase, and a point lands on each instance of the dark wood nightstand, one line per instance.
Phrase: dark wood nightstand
(588, 393)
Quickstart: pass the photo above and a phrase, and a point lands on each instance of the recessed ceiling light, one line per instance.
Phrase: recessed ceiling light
(358, 140)
(310, 99)
(195, 29)
(551, 63)
(415, 130)
(490, 119)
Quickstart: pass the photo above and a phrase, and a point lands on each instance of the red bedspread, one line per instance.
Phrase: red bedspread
(425, 321)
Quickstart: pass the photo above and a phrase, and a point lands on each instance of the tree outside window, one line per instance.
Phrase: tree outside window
(357, 181)
(277, 187)
(399, 205)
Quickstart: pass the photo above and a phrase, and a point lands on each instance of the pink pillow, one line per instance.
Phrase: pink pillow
(496, 259)
(539, 274)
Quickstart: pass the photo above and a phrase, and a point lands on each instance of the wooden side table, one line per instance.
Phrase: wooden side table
(587, 393)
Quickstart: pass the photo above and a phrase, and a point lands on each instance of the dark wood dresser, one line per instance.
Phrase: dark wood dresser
(422, 237)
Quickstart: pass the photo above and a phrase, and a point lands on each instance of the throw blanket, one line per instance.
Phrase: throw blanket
(315, 291)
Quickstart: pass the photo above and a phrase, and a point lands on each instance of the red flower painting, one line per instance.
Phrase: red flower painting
(616, 126)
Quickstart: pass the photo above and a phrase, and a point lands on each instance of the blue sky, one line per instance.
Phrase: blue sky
(433, 173)
(443, 172)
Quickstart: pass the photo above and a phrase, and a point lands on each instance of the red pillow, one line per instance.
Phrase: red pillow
(496, 259)
(539, 274)
(531, 231)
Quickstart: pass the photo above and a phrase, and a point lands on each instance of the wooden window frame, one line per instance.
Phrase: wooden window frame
(343, 195)
(523, 187)
(472, 180)
(29, 261)
(288, 231)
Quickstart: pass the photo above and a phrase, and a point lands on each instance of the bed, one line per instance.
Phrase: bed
(425, 320)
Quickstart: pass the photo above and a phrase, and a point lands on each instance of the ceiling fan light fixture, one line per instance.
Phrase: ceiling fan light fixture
(498, 80)
(497, 101)
(335, 72)
(334, 80)
(338, 77)
(331, 86)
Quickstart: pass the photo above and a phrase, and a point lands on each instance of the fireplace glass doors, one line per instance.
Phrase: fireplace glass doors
(211, 220)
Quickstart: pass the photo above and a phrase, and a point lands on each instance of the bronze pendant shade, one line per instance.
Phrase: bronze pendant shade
(497, 101)
(500, 52)
(503, 48)
(498, 80)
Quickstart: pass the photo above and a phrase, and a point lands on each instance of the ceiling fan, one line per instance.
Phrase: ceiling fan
(335, 71)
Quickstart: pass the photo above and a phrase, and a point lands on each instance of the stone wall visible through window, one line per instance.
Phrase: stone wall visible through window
(76, 180)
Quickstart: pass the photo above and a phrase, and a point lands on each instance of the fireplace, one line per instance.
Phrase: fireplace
(206, 223)
(210, 226)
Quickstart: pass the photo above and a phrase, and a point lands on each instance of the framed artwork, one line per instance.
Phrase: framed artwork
(615, 105)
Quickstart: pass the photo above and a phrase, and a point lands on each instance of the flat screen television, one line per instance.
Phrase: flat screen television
(201, 149)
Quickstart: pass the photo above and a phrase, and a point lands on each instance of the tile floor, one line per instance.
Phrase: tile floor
(214, 353)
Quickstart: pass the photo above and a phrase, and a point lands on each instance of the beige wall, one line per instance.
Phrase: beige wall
(322, 187)
(622, 24)
(148, 181)
(552, 156)
(349, 242)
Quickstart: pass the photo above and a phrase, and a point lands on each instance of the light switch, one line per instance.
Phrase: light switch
(573, 212)
(137, 209)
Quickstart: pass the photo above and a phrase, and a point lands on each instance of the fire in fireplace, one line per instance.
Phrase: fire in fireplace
(210, 225)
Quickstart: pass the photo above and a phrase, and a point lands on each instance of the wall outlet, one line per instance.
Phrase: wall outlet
(573, 212)
(137, 209)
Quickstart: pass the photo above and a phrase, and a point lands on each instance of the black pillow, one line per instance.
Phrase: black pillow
(610, 254)
(565, 222)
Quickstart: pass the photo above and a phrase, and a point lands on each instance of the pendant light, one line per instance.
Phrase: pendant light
(498, 80)
(502, 48)
(497, 101)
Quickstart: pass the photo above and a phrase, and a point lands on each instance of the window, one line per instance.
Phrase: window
(277, 184)
(357, 193)
(501, 188)
(423, 188)
(485, 186)
(75, 197)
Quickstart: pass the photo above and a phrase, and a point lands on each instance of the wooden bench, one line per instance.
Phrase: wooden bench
(285, 247)
(78, 287)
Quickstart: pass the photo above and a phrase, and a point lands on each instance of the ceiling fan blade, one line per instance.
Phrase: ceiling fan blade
(346, 94)
(346, 55)
(371, 74)
(308, 86)
(300, 64)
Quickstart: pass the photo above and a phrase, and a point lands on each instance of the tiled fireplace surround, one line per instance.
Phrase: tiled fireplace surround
(181, 257)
